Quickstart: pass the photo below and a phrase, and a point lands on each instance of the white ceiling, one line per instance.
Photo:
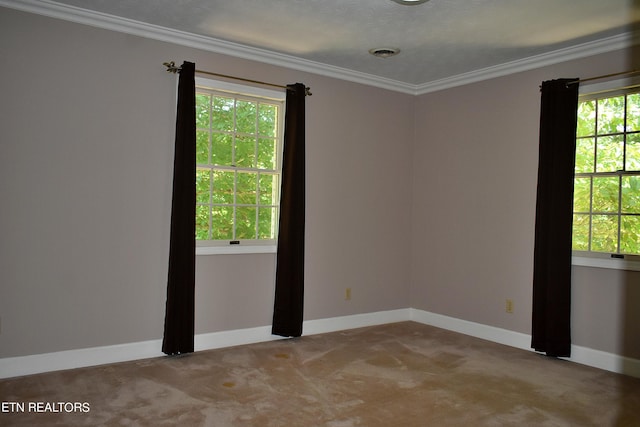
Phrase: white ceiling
(440, 40)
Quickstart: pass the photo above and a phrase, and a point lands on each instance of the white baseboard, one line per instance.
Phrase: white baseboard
(583, 355)
(333, 324)
(80, 358)
(39, 363)
(603, 360)
(478, 330)
(224, 339)
(233, 338)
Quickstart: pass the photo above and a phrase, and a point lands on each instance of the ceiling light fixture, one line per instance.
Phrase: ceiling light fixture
(384, 52)
(410, 2)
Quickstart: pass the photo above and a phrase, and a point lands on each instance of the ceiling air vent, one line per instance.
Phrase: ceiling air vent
(410, 2)
(384, 52)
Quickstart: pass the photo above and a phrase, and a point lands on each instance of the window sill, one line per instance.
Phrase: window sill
(610, 263)
(235, 249)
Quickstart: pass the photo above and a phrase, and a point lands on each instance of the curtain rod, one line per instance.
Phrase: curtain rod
(623, 73)
(171, 68)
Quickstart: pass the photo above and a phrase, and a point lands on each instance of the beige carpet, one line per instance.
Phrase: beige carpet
(402, 374)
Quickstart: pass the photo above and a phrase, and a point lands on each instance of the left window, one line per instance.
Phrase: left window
(239, 132)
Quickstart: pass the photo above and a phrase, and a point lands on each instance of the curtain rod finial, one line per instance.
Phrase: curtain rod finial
(171, 67)
(307, 91)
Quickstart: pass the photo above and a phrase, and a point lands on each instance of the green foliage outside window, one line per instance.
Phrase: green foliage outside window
(237, 176)
(606, 201)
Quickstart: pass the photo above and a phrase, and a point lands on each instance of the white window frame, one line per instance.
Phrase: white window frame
(222, 247)
(596, 259)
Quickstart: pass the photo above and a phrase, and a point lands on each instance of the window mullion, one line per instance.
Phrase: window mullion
(591, 209)
(234, 226)
(255, 165)
(618, 247)
(210, 166)
(210, 207)
(624, 166)
(594, 170)
(257, 205)
(624, 135)
(235, 204)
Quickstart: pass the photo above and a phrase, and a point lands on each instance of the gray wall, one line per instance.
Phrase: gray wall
(86, 156)
(406, 198)
(475, 177)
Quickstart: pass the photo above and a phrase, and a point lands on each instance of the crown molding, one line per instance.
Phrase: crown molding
(109, 22)
(583, 50)
(209, 44)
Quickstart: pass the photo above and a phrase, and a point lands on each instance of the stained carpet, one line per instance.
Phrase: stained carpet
(401, 374)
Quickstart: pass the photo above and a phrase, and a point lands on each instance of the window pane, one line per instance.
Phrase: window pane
(246, 117)
(580, 234)
(245, 151)
(631, 194)
(222, 223)
(223, 185)
(611, 115)
(630, 235)
(267, 120)
(268, 187)
(222, 113)
(586, 118)
(581, 194)
(605, 194)
(633, 112)
(202, 222)
(245, 223)
(607, 189)
(610, 153)
(202, 147)
(202, 110)
(633, 152)
(604, 233)
(237, 156)
(267, 153)
(203, 185)
(585, 154)
(221, 151)
(246, 188)
(266, 223)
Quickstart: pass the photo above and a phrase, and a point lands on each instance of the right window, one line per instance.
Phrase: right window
(606, 203)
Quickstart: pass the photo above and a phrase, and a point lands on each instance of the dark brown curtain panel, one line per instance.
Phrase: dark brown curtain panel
(180, 307)
(551, 326)
(289, 293)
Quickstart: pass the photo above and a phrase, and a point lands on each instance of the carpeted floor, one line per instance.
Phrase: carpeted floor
(402, 374)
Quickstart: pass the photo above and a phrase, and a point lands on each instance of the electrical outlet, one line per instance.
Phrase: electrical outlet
(509, 306)
(347, 294)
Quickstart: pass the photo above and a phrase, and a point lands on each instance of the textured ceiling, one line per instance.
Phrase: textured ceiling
(438, 39)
